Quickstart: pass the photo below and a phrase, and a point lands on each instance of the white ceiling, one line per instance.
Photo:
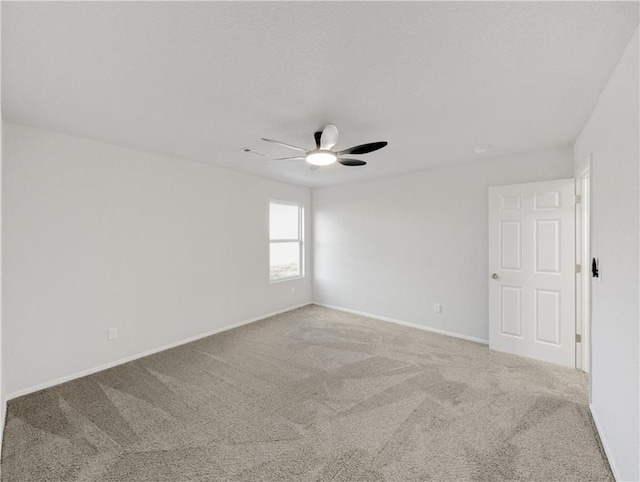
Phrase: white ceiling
(201, 80)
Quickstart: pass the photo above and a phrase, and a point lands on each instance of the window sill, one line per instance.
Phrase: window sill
(292, 278)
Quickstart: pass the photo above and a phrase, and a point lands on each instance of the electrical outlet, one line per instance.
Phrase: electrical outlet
(293, 290)
(113, 333)
(437, 308)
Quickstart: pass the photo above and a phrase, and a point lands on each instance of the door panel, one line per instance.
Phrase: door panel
(531, 253)
(511, 244)
(547, 242)
(547, 317)
(511, 313)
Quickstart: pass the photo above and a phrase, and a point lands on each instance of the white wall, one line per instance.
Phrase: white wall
(611, 138)
(394, 247)
(99, 236)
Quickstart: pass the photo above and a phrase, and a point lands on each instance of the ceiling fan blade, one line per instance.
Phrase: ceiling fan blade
(284, 144)
(329, 137)
(313, 168)
(317, 136)
(297, 158)
(364, 148)
(351, 162)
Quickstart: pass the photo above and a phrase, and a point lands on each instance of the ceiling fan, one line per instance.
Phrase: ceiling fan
(324, 155)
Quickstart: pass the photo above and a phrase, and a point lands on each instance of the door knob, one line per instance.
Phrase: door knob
(495, 276)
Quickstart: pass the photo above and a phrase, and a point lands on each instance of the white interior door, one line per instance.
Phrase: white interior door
(532, 270)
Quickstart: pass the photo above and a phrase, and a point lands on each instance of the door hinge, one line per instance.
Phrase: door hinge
(578, 198)
(578, 338)
(578, 268)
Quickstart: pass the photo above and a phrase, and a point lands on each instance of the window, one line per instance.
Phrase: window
(286, 220)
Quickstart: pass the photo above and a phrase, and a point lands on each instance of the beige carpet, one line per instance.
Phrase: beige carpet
(312, 394)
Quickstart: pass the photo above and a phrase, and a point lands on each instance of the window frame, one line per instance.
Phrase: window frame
(299, 240)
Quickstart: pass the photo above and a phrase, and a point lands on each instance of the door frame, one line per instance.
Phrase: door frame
(583, 258)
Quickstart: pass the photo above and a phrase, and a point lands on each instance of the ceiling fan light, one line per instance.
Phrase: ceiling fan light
(321, 158)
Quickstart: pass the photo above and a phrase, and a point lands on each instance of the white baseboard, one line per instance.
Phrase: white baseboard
(121, 361)
(405, 323)
(603, 440)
